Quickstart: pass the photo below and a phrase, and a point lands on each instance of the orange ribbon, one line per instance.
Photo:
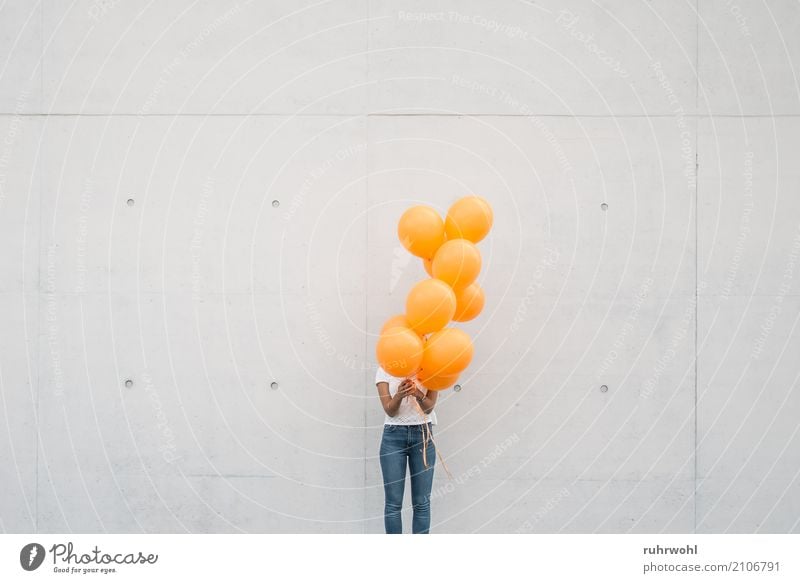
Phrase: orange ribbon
(426, 437)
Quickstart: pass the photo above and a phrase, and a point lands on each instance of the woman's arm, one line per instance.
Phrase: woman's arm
(392, 403)
(427, 401)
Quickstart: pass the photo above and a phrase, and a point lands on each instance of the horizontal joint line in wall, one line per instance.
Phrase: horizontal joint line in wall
(355, 115)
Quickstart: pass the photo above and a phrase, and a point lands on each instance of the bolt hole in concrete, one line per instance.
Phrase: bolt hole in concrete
(603, 388)
(276, 203)
(457, 388)
(128, 383)
(273, 385)
(130, 202)
(604, 206)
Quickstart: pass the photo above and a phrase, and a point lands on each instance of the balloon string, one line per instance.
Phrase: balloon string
(428, 436)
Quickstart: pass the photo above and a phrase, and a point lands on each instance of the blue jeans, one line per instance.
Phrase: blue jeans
(401, 445)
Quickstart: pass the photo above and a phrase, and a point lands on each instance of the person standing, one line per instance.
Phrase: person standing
(407, 442)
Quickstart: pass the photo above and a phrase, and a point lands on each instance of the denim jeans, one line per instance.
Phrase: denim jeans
(401, 445)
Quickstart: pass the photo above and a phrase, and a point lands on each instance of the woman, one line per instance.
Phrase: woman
(407, 440)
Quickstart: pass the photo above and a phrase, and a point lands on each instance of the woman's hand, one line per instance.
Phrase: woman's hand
(427, 400)
(406, 389)
(391, 403)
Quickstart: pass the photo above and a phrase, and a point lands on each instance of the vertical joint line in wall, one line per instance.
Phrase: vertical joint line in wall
(696, 306)
(696, 248)
(366, 270)
(366, 56)
(366, 319)
(696, 309)
(40, 172)
(41, 56)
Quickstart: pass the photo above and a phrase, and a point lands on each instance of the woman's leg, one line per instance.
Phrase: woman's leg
(421, 481)
(394, 456)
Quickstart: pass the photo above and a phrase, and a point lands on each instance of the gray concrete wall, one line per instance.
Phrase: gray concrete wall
(197, 224)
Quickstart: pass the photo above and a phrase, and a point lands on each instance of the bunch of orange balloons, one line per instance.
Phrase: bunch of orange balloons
(420, 343)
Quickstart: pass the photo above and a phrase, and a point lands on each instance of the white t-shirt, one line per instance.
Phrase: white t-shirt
(407, 413)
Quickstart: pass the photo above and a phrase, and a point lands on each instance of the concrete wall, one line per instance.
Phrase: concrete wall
(197, 224)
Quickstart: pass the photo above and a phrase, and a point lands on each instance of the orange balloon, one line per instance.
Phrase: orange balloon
(428, 265)
(457, 263)
(421, 230)
(399, 351)
(469, 302)
(469, 218)
(430, 305)
(438, 383)
(447, 352)
(399, 320)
